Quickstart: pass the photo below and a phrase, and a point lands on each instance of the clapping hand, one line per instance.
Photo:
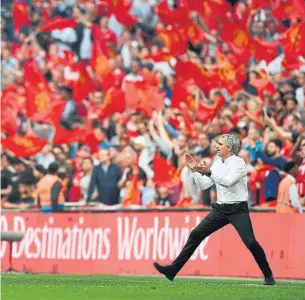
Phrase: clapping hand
(195, 164)
(201, 168)
(191, 161)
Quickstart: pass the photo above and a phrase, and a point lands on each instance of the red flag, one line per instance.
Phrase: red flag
(52, 114)
(159, 55)
(238, 39)
(125, 18)
(13, 97)
(36, 88)
(99, 47)
(84, 85)
(264, 50)
(164, 171)
(186, 70)
(20, 15)
(291, 9)
(293, 41)
(114, 101)
(263, 85)
(181, 95)
(58, 23)
(9, 121)
(143, 98)
(178, 16)
(206, 114)
(64, 136)
(150, 78)
(194, 34)
(230, 76)
(23, 146)
(190, 128)
(213, 11)
(173, 39)
(133, 193)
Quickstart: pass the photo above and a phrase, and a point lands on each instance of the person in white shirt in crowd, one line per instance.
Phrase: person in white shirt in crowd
(288, 199)
(229, 174)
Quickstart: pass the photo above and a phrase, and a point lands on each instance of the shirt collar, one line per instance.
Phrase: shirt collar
(227, 159)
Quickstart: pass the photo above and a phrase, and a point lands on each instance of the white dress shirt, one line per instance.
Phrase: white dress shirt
(293, 195)
(230, 178)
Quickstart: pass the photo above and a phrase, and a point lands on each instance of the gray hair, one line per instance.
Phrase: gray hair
(232, 142)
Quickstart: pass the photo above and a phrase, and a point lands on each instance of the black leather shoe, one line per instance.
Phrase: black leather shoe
(165, 270)
(269, 280)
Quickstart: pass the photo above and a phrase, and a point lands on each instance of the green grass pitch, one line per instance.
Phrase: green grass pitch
(81, 287)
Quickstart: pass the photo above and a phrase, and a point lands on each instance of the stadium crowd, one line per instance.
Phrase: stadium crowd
(101, 100)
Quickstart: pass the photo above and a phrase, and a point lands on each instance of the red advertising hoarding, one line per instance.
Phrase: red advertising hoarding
(128, 243)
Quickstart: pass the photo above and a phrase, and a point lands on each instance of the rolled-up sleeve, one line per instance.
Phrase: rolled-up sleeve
(294, 198)
(202, 181)
(236, 172)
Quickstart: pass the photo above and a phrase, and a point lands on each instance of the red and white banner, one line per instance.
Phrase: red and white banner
(128, 243)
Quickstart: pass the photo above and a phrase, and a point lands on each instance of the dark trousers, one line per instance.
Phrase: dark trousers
(222, 215)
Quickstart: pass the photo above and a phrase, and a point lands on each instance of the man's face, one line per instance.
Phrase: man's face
(222, 148)
(104, 156)
(253, 134)
(272, 149)
(203, 140)
(134, 67)
(97, 98)
(291, 105)
(87, 165)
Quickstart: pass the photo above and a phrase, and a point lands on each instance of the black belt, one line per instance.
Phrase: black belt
(231, 204)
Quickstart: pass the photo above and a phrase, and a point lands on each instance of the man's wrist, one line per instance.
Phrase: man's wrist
(209, 173)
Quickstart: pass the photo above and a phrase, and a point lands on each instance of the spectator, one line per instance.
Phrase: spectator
(6, 178)
(45, 157)
(105, 178)
(87, 168)
(288, 200)
(273, 158)
(50, 190)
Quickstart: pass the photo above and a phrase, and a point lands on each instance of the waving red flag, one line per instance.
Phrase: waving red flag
(23, 146)
(52, 114)
(36, 88)
(9, 121)
(164, 171)
(64, 136)
(173, 39)
(206, 114)
(58, 23)
(238, 39)
(84, 85)
(190, 128)
(114, 101)
(262, 86)
(133, 193)
(20, 15)
(181, 95)
(230, 76)
(291, 9)
(159, 55)
(13, 97)
(186, 70)
(178, 16)
(143, 98)
(293, 41)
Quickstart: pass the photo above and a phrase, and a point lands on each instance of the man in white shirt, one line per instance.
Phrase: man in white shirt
(229, 174)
